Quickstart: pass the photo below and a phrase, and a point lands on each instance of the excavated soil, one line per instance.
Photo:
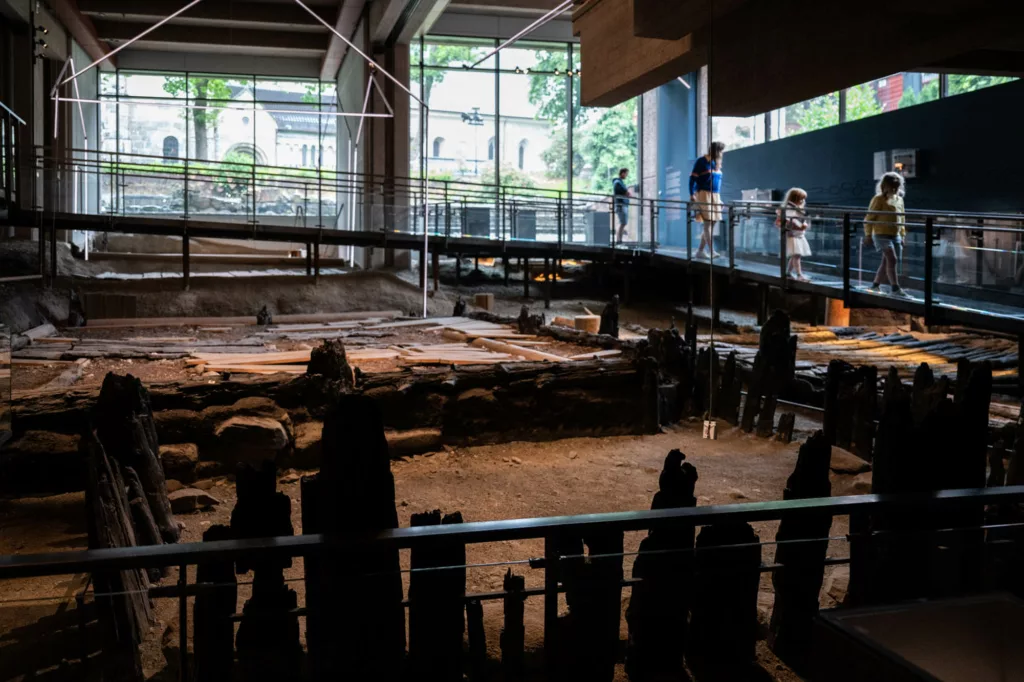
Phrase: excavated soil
(514, 480)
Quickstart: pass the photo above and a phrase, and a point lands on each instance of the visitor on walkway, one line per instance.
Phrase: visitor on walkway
(621, 200)
(792, 219)
(885, 228)
(705, 193)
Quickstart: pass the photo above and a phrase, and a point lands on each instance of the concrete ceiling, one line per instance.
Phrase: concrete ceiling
(267, 28)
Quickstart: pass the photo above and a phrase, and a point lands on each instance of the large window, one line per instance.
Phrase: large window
(219, 145)
(898, 91)
(516, 120)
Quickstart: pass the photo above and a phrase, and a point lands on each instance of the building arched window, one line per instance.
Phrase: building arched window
(438, 146)
(170, 147)
(312, 155)
(522, 153)
(305, 150)
(490, 149)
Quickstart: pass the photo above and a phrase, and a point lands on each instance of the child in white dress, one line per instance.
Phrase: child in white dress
(795, 228)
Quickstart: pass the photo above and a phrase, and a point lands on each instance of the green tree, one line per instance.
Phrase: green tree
(861, 102)
(610, 143)
(550, 93)
(820, 112)
(209, 92)
(928, 93)
(960, 84)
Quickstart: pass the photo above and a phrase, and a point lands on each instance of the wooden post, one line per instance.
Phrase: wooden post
(505, 268)
(423, 269)
(309, 259)
(213, 643)
(730, 391)
(513, 632)
(526, 277)
(477, 639)
(125, 428)
(436, 620)
(798, 582)
(435, 259)
(268, 636)
(594, 596)
(723, 614)
(370, 642)
(126, 614)
(658, 607)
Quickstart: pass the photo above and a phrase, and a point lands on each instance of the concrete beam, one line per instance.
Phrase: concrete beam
(84, 32)
(286, 16)
(346, 24)
(618, 65)
(386, 15)
(422, 18)
(120, 31)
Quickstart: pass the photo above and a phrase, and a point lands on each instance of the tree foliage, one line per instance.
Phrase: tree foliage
(610, 143)
(209, 92)
(960, 84)
(861, 102)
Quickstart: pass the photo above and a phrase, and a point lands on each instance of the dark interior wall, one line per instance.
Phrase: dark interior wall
(971, 155)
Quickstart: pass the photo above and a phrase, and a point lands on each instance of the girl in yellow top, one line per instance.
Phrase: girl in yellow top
(885, 228)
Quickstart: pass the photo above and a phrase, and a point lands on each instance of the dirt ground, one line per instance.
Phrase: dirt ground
(514, 480)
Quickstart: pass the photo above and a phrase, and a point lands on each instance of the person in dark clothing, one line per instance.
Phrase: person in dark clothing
(621, 200)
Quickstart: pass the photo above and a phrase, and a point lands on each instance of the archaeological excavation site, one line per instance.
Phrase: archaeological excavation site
(375, 340)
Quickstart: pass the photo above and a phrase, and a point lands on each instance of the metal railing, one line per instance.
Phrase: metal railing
(967, 262)
(552, 530)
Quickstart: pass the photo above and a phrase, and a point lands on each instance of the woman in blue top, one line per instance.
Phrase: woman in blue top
(705, 192)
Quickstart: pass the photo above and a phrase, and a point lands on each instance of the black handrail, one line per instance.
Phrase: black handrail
(60, 563)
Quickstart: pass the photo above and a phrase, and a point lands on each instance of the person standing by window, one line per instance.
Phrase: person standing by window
(885, 228)
(705, 193)
(621, 199)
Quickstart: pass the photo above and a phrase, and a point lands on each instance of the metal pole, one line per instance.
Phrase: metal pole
(731, 233)
(551, 566)
(847, 264)
(185, 266)
(783, 270)
(929, 268)
(183, 623)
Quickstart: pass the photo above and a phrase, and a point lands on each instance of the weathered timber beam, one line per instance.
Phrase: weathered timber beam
(619, 65)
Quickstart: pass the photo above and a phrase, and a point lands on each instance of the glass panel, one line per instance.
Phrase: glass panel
(458, 52)
(151, 168)
(803, 117)
(959, 84)
(461, 124)
(897, 91)
(547, 58)
(534, 131)
(738, 132)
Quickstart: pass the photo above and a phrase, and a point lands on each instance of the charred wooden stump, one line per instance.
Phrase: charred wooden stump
(477, 639)
(264, 318)
(675, 372)
(213, 634)
(784, 433)
(839, 374)
(124, 426)
(312, 504)
(774, 367)
(357, 497)
(436, 620)
(513, 632)
(798, 582)
(610, 318)
(329, 361)
(594, 597)
(865, 407)
(124, 610)
(268, 636)
(529, 324)
(721, 641)
(460, 304)
(727, 405)
(657, 609)
(146, 532)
